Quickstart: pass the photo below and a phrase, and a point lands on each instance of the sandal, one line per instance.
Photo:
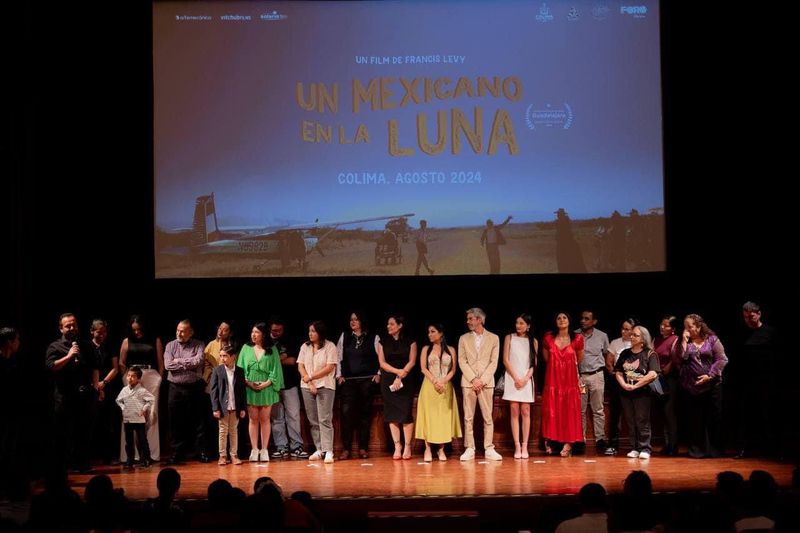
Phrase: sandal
(407, 453)
(442, 456)
(566, 451)
(397, 450)
(427, 456)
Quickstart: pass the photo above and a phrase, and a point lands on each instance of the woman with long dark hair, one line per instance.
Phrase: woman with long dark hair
(519, 358)
(356, 374)
(664, 345)
(562, 350)
(143, 348)
(397, 355)
(437, 410)
(317, 366)
(263, 377)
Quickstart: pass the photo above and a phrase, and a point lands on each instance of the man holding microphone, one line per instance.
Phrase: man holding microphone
(76, 375)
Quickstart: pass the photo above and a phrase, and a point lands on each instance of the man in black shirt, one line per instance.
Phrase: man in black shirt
(286, 431)
(75, 372)
(757, 366)
(109, 416)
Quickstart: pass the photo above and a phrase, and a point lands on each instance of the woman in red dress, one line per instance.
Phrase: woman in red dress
(562, 350)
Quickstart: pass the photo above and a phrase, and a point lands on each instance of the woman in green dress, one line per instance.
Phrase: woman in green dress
(264, 379)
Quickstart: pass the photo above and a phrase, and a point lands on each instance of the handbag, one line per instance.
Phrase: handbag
(657, 387)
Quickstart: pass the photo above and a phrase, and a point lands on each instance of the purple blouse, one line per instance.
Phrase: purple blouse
(710, 359)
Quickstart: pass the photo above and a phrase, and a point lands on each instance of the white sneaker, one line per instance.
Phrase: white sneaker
(492, 455)
(254, 456)
(316, 456)
(644, 455)
(328, 457)
(633, 454)
(468, 455)
(265, 455)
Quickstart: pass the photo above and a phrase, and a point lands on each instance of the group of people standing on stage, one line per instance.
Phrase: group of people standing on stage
(263, 383)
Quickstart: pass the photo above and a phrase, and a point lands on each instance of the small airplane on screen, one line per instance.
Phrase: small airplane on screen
(286, 244)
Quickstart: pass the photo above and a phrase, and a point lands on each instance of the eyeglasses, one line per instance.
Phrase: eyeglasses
(636, 334)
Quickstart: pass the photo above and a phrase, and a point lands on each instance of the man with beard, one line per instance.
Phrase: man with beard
(76, 376)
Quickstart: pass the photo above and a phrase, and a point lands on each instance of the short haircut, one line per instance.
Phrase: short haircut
(478, 312)
(751, 307)
(136, 370)
(592, 496)
(98, 323)
(168, 482)
(8, 335)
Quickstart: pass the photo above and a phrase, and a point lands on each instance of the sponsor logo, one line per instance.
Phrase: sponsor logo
(549, 116)
(638, 12)
(601, 11)
(545, 15)
(572, 14)
(275, 15)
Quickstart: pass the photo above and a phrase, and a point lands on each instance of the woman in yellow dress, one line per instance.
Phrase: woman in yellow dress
(437, 410)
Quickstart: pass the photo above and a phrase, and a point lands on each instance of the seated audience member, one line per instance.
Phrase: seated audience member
(594, 517)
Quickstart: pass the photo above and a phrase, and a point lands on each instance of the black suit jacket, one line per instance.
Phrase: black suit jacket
(219, 389)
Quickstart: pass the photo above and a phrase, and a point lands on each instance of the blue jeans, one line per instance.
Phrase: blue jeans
(286, 420)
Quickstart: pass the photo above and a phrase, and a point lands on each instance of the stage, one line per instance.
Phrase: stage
(383, 477)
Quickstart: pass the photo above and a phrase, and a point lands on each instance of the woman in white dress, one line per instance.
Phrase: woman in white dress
(519, 358)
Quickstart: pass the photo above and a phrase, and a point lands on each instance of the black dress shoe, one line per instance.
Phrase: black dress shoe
(741, 454)
(204, 458)
(174, 460)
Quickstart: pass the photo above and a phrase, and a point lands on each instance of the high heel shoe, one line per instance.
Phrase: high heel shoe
(566, 452)
(547, 449)
(524, 453)
(427, 457)
(442, 456)
(397, 450)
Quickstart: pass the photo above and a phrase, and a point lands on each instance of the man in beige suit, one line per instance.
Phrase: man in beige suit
(478, 352)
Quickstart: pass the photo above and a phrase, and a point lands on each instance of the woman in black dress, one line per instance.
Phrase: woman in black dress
(397, 355)
(144, 349)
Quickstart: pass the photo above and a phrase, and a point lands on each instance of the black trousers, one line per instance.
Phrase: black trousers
(107, 427)
(705, 423)
(614, 410)
(759, 415)
(186, 417)
(637, 415)
(356, 397)
(137, 430)
(74, 415)
(669, 403)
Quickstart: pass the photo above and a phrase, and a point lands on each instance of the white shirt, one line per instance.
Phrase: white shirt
(585, 523)
(133, 401)
(478, 340)
(315, 360)
(231, 397)
(617, 346)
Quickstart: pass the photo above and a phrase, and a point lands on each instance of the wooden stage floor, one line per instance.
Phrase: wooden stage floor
(382, 477)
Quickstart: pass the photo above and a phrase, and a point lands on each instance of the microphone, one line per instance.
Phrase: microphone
(76, 358)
